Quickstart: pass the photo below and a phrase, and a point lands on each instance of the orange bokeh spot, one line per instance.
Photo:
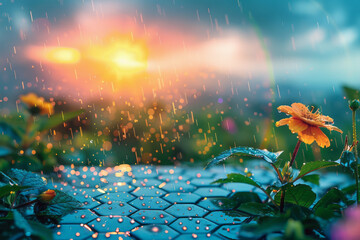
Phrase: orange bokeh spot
(63, 55)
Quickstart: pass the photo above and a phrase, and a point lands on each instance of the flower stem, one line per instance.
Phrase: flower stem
(356, 156)
(282, 200)
(295, 153)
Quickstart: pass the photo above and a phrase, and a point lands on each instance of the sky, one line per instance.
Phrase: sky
(145, 46)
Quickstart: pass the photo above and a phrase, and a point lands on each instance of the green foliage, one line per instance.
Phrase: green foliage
(313, 166)
(246, 152)
(19, 190)
(19, 139)
(313, 178)
(239, 178)
(300, 195)
(61, 205)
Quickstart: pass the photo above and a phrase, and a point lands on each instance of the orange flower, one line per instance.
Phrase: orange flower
(47, 196)
(307, 124)
(37, 104)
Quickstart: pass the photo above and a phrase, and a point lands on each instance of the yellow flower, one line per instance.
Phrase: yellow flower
(47, 196)
(307, 124)
(37, 105)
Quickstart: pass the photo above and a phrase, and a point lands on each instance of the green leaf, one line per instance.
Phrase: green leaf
(257, 209)
(351, 93)
(313, 178)
(248, 152)
(5, 190)
(244, 197)
(301, 195)
(238, 178)
(334, 195)
(33, 181)
(59, 206)
(21, 223)
(294, 230)
(349, 190)
(313, 166)
(57, 119)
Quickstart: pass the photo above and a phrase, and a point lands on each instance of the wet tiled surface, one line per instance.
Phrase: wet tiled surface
(146, 202)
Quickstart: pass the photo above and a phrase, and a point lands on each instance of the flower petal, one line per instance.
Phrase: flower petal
(296, 125)
(286, 109)
(283, 122)
(300, 109)
(331, 127)
(306, 136)
(321, 139)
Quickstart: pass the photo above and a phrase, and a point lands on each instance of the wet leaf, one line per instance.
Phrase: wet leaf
(7, 189)
(257, 209)
(59, 206)
(313, 178)
(238, 178)
(246, 152)
(313, 166)
(33, 181)
(334, 195)
(301, 195)
(56, 120)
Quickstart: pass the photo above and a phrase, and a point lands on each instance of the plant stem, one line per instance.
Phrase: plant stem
(356, 156)
(295, 153)
(282, 200)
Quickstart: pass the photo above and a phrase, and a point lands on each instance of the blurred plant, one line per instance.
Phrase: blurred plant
(286, 200)
(22, 142)
(348, 228)
(25, 205)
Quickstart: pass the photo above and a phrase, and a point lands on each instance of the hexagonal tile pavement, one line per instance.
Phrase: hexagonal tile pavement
(113, 224)
(72, 231)
(228, 231)
(179, 187)
(207, 236)
(155, 232)
(212, 192)
(193, 225)
(213, 204)
(226, 217)
(114, 208)
(148, 192)
(182, 197)
(79, 216)
(115, 197)
(150, 203)
(186, 210)
(153, 217)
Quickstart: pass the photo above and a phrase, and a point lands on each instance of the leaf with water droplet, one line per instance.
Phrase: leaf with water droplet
(246, 152)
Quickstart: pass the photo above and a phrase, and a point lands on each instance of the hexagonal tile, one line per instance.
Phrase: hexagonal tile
(67, 231)
(88, 201)
(198, 173)
(229, 231)
(193, 225)
(150, 203)
(182, 197)
(178, 187)
(148, 192)
(207, 236)
(152, 217)
(112, 236)
(212, 192)
(115, 209)
(204, 182)
(146, 182)
(118, 187)
(174, 178)
(213, 204)
(79, 216)
(186, 210)
(113, 224)
(226, 217)
(155, 232)
(123, 197)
